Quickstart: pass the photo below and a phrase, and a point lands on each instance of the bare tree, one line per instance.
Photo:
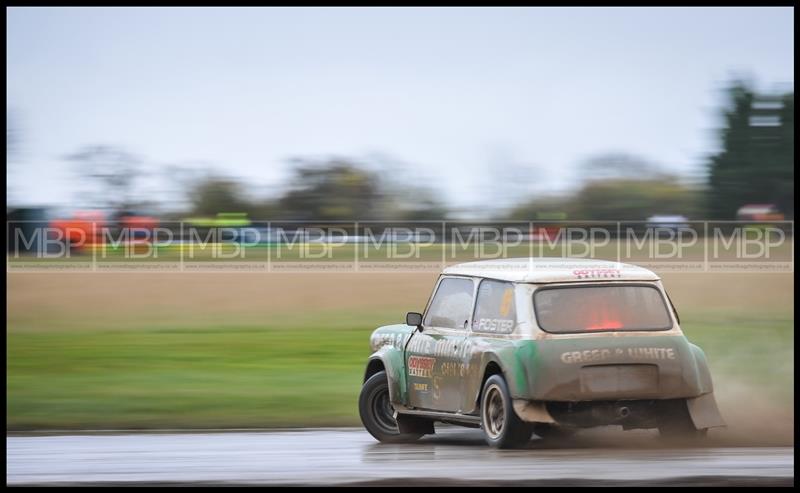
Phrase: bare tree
(114, 169)
(620, 165)
(12, 135)
(12, 149)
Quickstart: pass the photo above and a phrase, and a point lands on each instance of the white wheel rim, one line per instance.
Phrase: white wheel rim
(493, 412)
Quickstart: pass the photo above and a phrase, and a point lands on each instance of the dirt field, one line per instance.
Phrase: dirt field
(121, 301)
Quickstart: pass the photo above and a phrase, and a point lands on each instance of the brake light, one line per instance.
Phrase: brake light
(603, 320)
(607, 324)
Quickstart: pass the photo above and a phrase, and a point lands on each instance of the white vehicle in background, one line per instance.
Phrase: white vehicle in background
(668, 224)
(759, 212)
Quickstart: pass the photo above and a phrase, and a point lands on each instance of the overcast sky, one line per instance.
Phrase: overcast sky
(454, 93)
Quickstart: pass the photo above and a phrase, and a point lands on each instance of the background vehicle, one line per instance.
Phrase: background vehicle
(660, 224)
(759, 212)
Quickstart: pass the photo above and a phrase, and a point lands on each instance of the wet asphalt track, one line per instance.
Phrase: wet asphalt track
(338, 456)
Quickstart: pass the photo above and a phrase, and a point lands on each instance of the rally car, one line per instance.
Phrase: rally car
(544, 346)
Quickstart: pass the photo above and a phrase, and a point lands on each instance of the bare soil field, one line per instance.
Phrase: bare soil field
(145, 300)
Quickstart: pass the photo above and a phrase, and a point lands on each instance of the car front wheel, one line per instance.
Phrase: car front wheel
(377, 413)
(501, 426)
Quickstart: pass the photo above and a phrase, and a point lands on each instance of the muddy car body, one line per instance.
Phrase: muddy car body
(545, 346)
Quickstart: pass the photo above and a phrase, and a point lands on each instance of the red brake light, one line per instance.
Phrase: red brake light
(603, 319)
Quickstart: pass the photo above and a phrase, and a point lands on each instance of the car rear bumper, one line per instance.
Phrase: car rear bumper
(630, 414)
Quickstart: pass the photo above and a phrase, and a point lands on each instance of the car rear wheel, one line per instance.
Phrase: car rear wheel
(377, 413)
(501, 426)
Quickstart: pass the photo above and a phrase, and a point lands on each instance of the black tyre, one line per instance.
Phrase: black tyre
(501, 426)
(377, 413)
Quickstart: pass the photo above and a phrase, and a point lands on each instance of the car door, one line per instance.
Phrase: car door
(493, 320)
(433, 361)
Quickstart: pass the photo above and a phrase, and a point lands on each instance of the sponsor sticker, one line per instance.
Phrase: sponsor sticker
(495, 325)
(636, 353)
(596, 273)
(452, 369)
(437, 388)
(420, 366)
(505, 304)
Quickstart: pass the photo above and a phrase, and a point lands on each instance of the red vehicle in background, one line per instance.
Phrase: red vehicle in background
(550, 227)
(134, 228)
(88, 230)
(759, 212)
(83, 231)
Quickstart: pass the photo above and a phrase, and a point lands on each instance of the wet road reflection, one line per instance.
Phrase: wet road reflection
(350, 455)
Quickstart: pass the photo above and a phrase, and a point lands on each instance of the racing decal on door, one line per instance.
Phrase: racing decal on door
(420, 366)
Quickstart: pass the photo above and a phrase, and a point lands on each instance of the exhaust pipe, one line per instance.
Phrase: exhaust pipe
(623, 412)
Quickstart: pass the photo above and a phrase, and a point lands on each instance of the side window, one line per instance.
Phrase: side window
(495, 311)
(451, 305)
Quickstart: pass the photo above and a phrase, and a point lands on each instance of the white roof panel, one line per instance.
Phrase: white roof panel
(549, 269)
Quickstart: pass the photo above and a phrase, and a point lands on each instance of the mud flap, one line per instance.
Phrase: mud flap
(532, 412)
(704, 412)
(414, 424)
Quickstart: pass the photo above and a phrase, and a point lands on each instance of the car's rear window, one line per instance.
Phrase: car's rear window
(601, 308)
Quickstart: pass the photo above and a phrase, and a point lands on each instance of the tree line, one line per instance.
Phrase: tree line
(754, 164)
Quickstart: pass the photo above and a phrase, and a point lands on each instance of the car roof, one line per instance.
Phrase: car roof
(550, 269)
